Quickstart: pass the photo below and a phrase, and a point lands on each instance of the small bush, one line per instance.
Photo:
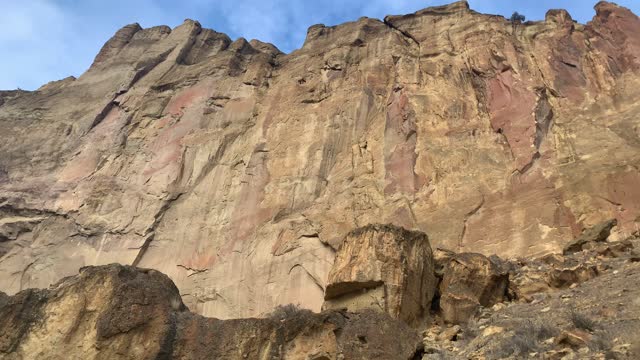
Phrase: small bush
(283, 312)
(582, 321)
(516, 17)
(472, 329)
(601, 341)
(526, 339)
(294, 318)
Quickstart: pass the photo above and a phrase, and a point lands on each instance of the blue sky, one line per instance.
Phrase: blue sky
(45, 40)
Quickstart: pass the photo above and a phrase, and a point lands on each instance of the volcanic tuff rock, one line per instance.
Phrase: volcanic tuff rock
(597, 233)
(238, 170)
(594, 318)
(470, 281)
(121, 312)
(385, 268)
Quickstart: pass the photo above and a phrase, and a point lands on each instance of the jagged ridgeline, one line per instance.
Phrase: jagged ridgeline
(238, 170)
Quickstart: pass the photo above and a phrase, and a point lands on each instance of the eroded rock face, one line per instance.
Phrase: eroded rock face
(470, 281)
(238, 170)
(385, 268)
(99, 314)
(118, 312)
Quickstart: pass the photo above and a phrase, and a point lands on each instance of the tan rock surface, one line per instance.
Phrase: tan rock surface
(470, 281)
(118, 312)
(598, 318)
(237, 170)
(384, 268)
(595, 234)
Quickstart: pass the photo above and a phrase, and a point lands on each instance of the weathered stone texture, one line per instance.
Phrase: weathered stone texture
(385, 268)
(238, 170)
(121, 312)
(595, 234)
(470, 281)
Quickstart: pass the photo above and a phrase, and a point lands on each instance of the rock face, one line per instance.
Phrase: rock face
(384, 268)
(470, 281)
(120, 312)
(238, 170)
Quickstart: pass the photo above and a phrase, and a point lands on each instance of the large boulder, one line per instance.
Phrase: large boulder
(385, 268)
(470, 281)
(122, 312)
(589, 236)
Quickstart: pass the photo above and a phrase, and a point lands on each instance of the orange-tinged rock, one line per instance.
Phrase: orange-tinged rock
(385, 268)
(470, 281)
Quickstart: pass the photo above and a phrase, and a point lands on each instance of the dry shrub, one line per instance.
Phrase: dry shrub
(527, 338)
(582, 321)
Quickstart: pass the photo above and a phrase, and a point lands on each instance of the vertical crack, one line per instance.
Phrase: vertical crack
(543, 117)
(313, 277)
(528, 165)
(470, 214)
(408, 35)
(150, 232)
(24, 272)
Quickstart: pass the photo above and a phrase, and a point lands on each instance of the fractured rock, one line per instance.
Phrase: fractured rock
(614, 249)
(597, 233)
(562, 277)
(470, 281)
(118, 312)
(385, 268)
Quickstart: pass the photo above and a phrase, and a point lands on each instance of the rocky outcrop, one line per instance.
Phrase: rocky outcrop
(529, 278)
(238, 170)
(121, 312)
(597, 233)
(385, 268)
(593, 319)
(470, 281)
(117, 312)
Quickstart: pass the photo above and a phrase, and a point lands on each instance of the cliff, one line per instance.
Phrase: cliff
(237, 170)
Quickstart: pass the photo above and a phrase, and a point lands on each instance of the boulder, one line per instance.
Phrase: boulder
(526, 286)
(574, 338)
(539, 276)
(597, 233)
(470, 281)
(122, 312)
(562, 277)
(614, 249)
(385, 268)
